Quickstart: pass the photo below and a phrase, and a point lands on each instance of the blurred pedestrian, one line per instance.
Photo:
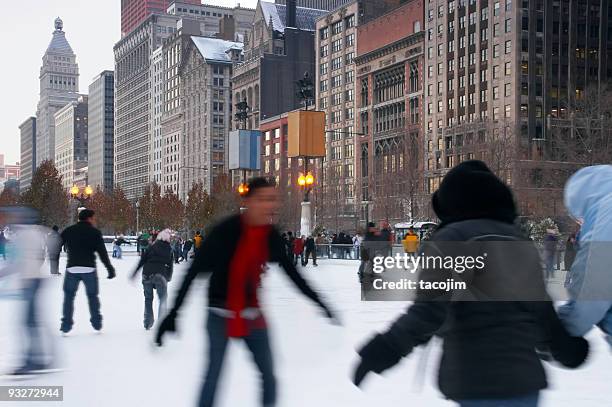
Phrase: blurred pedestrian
(54, 250)
(550, 252)
(117, 249)
(588, 199)
(186, 249)
(197, 241)
(298, 250)
(488, 351)
(2, 245)
(82, 241)
(28, 242)
(411, 242)
(571, 247)
(235, 253)
(177, 250)
(156, 264)
(143, 242)
(311, 251)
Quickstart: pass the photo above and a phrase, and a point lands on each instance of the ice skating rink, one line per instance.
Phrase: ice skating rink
(314, 359)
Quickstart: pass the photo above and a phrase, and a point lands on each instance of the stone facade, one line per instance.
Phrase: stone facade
(101, 116)
(59, 85)
(27, 131)
(71, 125)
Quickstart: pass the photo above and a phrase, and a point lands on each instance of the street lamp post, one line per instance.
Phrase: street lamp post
(81, 196)
(306, 182)
(137, 217)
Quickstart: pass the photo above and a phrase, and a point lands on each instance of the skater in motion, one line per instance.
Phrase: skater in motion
(488, 352)
(82, 241)
(234, 254)
(588, 198)
(54, 250)
(156, 264)
(29, 240)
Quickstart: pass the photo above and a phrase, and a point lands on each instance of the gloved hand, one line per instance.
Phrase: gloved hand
(570, 351)
(111, 273)
(376, 356)
(167, 325)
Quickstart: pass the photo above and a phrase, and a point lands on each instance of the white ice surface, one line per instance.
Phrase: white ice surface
(121, 367)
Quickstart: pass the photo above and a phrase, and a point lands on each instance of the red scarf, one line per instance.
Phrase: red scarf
(252, 253)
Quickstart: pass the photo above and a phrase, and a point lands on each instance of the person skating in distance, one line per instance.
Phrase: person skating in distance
(234, 253)
(489, 354)
(82, 241)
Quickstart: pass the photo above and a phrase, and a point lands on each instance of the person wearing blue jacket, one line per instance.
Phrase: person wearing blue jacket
(588, 199)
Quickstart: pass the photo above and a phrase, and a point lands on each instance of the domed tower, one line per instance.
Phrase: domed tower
(59, 85)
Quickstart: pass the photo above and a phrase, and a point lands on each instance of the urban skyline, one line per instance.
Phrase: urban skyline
(94, 53)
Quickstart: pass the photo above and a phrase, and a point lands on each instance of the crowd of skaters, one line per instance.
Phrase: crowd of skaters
(491, 353)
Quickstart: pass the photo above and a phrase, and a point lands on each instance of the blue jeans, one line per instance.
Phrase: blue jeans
(71, 285)
(259, 346)
(35, 355)
(530, 400)
(158, 283)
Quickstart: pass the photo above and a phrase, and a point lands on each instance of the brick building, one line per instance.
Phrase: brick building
(389, 78)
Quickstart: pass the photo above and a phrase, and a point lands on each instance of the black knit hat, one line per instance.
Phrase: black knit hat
(471, 191)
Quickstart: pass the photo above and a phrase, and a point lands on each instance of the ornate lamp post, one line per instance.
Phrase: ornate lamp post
(81, 195)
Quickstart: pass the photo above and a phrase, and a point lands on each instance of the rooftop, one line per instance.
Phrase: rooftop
(214, 49)
(305, 17)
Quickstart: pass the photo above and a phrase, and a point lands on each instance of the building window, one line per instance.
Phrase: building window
(349, 21)
(508, 89)
(508, 46)
(349, 77)
(507, 111)
(496, 51)
(508, 25)
(324, 33)
(349, 95)
(336, 28)
(508, 68)
(495, 92)
(336, 63)
(324, 51)
(336, 81)
(336, 46)
(350, 40)
(349, 57)
(323, 85)
(336, 99)
(323, 68)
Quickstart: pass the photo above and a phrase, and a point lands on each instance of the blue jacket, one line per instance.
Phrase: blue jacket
(588, 198)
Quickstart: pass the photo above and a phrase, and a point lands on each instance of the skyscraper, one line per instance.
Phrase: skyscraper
(71, 141)
(133, 102)
(134, 12)
(27, 131)
(502, 78)
(101, 112)
(317, 4)
(59, 85)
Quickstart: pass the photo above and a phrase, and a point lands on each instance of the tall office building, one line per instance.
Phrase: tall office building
(27, 131)
(318, 4)
(171, 114)
(211, 16)
(278, 50)
(389, 73)
(59, 85)
(501, 76)
(101, 116)
(134, 12)
(205, 91)
(71, 127)
(336, 47)
(157, 107)
(133, 104)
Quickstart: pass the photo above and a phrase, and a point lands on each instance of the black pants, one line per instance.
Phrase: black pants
(71, 285)
(310, 253)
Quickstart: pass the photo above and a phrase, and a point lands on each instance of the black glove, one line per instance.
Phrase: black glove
(167, 325)
(376, 356)
(111, 273)
(570, 351)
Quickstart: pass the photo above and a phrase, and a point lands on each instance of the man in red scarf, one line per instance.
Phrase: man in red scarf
(234, 254)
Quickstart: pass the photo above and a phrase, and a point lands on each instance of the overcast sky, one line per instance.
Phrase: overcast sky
(92, 27)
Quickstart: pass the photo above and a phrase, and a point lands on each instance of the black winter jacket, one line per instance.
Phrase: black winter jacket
(157, 259)
(82, 240)
(216, 253)
(488, 346)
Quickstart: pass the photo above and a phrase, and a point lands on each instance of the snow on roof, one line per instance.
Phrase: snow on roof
(305, 17)
(214, 49)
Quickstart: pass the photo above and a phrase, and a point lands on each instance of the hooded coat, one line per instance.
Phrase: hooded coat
(489, 347)
(588, 198)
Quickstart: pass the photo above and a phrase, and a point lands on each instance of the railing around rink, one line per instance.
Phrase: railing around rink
(347, 251)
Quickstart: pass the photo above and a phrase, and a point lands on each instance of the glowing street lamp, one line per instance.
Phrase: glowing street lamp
(306, 182)
(81, 196)
(243, 189)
